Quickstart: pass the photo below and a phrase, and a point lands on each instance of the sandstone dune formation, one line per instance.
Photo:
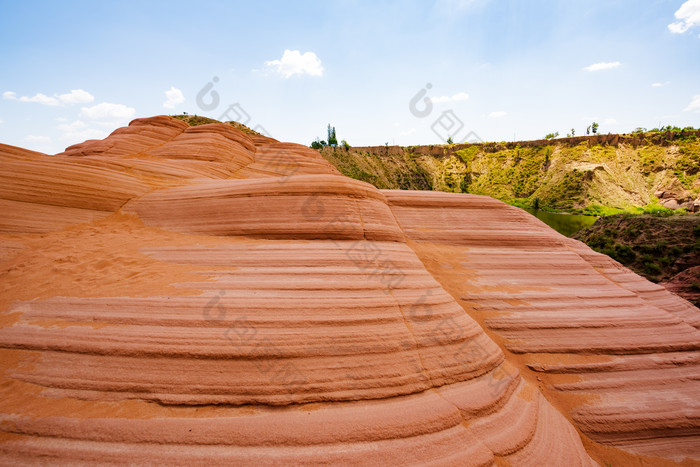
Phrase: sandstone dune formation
(196, 295)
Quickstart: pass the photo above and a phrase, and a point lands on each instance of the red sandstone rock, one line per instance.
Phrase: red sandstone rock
(622, 354)
(199, 296)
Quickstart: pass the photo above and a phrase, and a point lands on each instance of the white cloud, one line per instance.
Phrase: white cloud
(37, 139)
(678, 28)
(656, 85)
(2, 121)
(40, 98)
(78, 131)
(38, 143)
(408, 132)
(294, 62)
(610, 121)
(173, 97)
(460, 96)
(76, 125)
(497, 114)
(108, 114)
(602, 66)
(694, 105)
(76, 96)
(689, 16)
(83, 135)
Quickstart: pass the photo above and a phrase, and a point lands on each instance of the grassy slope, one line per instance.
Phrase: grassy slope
(574, 176)
(659, 246)
(194, 120)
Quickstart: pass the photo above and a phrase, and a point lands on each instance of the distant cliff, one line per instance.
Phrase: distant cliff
(594, 174)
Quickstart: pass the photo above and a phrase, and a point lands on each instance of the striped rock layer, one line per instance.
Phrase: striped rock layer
(620, 354)
(196, 295)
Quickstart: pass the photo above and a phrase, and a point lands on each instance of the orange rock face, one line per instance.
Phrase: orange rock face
(193, 295)
(619, 354)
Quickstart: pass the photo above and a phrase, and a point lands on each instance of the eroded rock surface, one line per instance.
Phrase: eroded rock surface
(617, 353)
(195, 295)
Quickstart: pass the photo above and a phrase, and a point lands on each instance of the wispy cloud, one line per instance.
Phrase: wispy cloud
(38, 98)
(76, 125)
(76, 96)
(39, 143)
(83, 135)
(79, 131)
(659, 85)
(694, 105)
(108, 114)
(688, 15)
(602, 66)
(173, 97)
(497, 114)
(460, 96)
(38, 139)
(293, 62)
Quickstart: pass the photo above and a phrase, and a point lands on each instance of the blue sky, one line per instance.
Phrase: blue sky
(496, 69)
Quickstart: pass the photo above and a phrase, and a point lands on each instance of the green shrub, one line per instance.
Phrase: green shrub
(624, 253)
(652, 269)
(608, 251)
(646, 248)
(600, 211)
(632, 231)
(660, 247)
(647, 258)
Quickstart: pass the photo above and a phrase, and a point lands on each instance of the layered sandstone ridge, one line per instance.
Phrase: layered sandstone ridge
(620, 354)
(93, 179)
(192, 295)
(300, 206)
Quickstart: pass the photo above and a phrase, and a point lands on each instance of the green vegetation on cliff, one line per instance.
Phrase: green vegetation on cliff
(658, 246)
(599, 175)
(195, 120)
(392, 170)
